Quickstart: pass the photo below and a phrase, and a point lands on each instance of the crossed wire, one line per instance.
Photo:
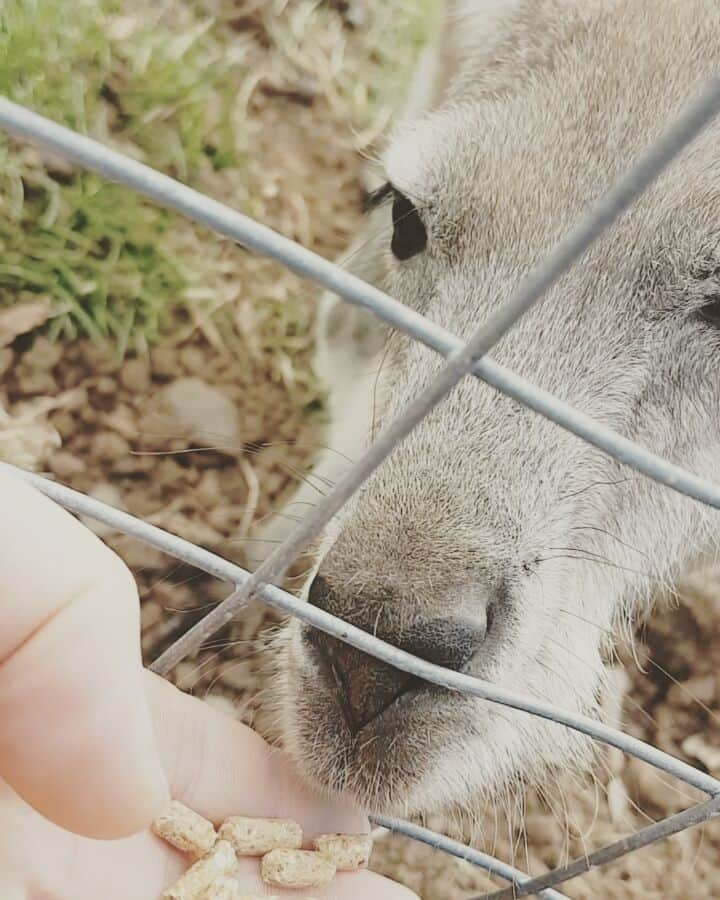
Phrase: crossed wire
(461, 360)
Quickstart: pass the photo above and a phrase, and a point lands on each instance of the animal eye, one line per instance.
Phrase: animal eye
(409, 234)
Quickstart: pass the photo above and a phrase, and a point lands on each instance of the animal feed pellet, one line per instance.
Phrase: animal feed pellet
(185, 829)
(345, 851)
(296, 869)
(193, 885)
(254, 837)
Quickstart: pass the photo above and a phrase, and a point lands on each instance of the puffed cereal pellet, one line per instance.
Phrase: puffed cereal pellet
(346, 851)
(226, 888)
(221, 860)
(223, 888)
(259, 897)
(185, 829)
(296, 869)
(255, 837)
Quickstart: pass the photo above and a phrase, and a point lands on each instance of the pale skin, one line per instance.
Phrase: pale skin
(92, 746)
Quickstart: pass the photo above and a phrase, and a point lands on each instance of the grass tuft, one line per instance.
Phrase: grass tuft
(176, 85)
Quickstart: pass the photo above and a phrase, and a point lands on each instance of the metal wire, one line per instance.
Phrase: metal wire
(696, 815)
(462, 851)
(394, 656)
(92, 155)
(215, 565)
(461, 360)
(279, 599)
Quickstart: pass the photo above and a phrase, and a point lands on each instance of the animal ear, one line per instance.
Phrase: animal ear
(466, 25)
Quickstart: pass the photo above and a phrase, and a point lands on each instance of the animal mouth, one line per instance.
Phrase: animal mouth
(361, 707)
(376, 750)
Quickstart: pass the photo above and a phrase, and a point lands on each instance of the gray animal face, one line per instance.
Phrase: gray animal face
(492, 541)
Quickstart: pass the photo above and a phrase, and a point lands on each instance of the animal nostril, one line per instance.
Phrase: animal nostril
(366, 686)
(451, 643)
(319, 593)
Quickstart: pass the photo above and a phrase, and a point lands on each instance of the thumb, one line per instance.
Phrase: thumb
(77, 741)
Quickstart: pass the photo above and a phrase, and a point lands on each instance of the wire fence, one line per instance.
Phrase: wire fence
(461, 360)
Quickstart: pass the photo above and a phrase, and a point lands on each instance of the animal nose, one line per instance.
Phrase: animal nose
(366, 686)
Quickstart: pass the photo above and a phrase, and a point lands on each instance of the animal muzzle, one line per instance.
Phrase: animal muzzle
(365, 686)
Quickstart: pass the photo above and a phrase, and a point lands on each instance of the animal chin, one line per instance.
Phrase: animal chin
(383, 764)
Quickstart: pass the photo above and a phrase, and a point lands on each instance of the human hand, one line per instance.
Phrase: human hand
(92, 746)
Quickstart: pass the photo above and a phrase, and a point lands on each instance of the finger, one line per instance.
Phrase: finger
(77, 739)
(221, 768)
(218, 767)
(63, 867)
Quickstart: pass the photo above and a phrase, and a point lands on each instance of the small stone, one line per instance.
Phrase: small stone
(27, 438)
(224, 519)
(188, 527)
(75, 399)
(236, 675)
(38, 383)
(193, 359)
(44, 354)
(201, 411)
(89, 416)
(64, 422)
(105, 493)
(109, 446)
(6, 359)
(134, 465)
(650, 786)
(208, 490)
(135, 375)
(106, 386)
(700, 689)
(100, 358)
(697, 747)
(21, 318)
(186, 675)
(65, 465)
(123, 420)
(164, 361)
(150, 614)
(138, 555)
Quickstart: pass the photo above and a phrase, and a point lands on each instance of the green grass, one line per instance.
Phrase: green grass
(104, 256)
(164, 90)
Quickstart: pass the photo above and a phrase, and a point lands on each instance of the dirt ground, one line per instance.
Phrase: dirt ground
(205, 438)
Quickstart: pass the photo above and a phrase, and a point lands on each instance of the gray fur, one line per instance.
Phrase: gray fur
(536, 107)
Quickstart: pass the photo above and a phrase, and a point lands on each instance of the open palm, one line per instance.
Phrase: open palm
(214, 765)
(92, 746)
